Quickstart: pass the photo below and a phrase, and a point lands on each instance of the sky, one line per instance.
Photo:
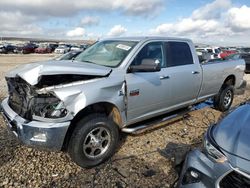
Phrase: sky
(216, 22)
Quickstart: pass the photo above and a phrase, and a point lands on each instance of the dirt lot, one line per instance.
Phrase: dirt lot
(139, 162)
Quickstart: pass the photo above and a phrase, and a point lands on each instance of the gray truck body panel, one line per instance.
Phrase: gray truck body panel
(186, 85)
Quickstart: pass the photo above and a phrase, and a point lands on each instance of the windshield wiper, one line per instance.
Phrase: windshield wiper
(86, 61)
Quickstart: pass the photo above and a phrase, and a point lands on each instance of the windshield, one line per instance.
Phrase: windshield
(107, 53)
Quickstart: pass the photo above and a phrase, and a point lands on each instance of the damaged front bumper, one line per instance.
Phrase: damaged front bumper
(200, 171)
(48, 135)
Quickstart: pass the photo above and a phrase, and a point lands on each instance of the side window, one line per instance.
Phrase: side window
(153, 50)
(178, 53)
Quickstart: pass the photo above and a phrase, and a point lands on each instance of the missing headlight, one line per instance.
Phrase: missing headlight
(48, 106)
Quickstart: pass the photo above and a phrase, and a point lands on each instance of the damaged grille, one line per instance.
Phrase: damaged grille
(26, 102)
(19, 97)
(235, 180)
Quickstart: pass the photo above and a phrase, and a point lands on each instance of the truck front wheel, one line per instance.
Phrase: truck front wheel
(93, 141)
(224, 99)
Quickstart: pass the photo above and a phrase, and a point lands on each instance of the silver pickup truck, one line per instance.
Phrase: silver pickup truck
(82, 105)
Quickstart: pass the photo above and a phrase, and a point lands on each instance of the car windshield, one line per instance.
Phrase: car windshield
(62, 46)
(108, 53)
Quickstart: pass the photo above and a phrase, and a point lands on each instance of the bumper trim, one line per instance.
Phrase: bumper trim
(217, 183)
(26, 130)
(212, 172)
(240, 172)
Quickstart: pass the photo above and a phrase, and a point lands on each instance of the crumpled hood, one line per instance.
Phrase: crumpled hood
(32, 72)
(233, 135)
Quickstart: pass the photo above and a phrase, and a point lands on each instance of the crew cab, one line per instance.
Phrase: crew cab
(84, 104)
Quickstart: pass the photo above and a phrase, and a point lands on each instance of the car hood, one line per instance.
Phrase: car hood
(232, 135)
(31, 73)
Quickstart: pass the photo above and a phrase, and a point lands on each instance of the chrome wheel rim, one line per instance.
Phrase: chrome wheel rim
(97, 142)
(227, 98)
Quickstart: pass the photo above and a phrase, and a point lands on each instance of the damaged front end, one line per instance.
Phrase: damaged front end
(27, 103)
(36, 102)
(43, 100)
(35, 119)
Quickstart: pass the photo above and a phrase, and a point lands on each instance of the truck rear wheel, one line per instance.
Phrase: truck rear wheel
(93, 141)
(224, 99)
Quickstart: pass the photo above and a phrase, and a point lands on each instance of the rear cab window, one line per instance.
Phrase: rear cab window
(178, 54)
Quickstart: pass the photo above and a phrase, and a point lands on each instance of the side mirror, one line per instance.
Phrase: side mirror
(147, 65)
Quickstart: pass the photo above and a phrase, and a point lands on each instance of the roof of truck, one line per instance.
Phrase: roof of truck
(141, 38)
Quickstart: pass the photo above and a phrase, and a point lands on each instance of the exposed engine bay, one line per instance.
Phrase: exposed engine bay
(27, 102)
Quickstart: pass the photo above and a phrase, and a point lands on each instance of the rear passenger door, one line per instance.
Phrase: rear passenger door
(185, 75)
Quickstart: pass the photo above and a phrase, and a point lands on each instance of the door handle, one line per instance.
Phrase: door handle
(195, 72)
(164, 77)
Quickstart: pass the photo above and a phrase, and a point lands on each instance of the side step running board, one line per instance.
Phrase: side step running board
(157, 122)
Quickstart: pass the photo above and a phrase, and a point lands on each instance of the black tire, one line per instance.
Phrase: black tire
(91, 132)
(224, 99)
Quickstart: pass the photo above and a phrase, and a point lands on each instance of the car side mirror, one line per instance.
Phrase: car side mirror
(147, 65)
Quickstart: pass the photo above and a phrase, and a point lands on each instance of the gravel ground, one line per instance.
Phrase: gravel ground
(143, 160)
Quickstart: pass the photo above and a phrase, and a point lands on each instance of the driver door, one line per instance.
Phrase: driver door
(147, 91)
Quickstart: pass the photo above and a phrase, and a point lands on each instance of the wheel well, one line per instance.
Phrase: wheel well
(103, 107)
(230, 80)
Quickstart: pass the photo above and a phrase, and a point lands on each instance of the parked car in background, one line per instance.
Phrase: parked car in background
(7, 48)
(43, 48)
(84, 46)
(243, 50)
(226, 53)
(83, 105)
(10, 48)
(26, 48)
(246, 57)
(53, 46)
(62, 49)
(224, 161)
(203, 55)
(75, 48)
(1, 48)
(80, 47)
(213, 52)
(68, 56)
